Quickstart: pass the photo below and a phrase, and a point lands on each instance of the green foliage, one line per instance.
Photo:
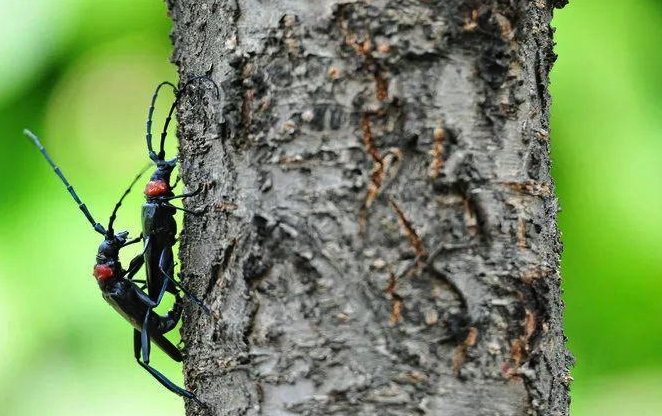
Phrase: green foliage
(80, 74)
(607, 155)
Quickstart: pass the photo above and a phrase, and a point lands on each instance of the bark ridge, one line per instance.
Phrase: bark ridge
(379, 231)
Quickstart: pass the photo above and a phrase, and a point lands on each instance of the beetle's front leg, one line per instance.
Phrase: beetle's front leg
(135, 265)
(135, 240)
(137, 262)
(188, 211)
(194, 193)
(177, 179)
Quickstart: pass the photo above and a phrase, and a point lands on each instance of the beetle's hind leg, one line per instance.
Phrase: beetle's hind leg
(137, 346)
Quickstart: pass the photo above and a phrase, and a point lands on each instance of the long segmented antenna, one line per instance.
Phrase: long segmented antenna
(178, 95)
(150, 115)
(97, 227)
(110, 231)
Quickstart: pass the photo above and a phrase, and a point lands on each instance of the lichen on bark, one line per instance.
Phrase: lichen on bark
(379, 231)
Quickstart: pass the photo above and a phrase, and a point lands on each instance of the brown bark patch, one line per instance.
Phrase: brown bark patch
(461, 351)
(437, 151)
(521, 233)
(381, 87)
(396, 300)
(377, 173)
(409, 230)
(543, 189)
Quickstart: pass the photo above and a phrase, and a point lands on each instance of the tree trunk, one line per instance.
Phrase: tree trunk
(379, 231)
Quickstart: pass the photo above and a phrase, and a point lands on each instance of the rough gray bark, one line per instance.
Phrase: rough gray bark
(379, 232)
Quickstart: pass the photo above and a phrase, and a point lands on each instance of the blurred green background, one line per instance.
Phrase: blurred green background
(80, 74)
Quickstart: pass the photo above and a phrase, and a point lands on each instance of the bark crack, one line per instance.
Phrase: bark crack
(432, 118)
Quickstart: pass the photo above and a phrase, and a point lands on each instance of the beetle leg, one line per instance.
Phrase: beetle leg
(194, 193)
(177, 179)
(171, 319)
(188, 211)
(144, 339)
(135, 240)
(179, 285)
(145, 327)
(134, 266)
(137, 262)
(157, 375)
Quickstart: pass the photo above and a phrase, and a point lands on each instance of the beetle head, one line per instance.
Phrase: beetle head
(109, 249)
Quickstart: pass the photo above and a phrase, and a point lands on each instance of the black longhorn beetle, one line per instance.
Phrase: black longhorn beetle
(120, 290)
(160, 229)
(158, 222)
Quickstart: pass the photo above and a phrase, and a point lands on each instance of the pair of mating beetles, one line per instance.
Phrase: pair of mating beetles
(158, 235)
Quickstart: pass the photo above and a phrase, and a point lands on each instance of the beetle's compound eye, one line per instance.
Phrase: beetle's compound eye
(156, 188)
(102, 272)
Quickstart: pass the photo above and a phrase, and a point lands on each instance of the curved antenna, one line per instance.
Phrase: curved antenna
(111, 232)
(150, 115)
(97, 227)
(179, 95)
